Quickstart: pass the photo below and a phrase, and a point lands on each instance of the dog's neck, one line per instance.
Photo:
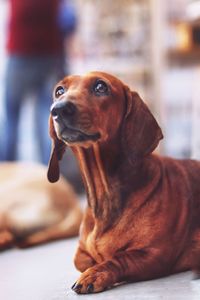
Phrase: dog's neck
(95, 164)
(101, 171)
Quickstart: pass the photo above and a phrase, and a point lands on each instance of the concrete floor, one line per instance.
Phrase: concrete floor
(47, 273)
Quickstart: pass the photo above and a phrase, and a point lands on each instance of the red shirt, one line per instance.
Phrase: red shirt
(33, 28)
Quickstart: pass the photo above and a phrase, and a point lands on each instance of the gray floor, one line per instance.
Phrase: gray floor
(47, 273)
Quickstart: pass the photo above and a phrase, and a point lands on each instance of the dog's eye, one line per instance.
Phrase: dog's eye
(59, 91)
(100, 87)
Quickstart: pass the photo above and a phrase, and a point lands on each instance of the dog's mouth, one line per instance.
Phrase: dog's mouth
(74, 135)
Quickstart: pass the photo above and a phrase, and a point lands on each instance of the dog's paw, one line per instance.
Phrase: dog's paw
(92, 281)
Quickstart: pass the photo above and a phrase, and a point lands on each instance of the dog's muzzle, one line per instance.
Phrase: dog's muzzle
(64, 113)
(63, 110)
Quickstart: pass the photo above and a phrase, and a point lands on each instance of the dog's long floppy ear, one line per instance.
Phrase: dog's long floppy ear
(57, 151)
(140, 131)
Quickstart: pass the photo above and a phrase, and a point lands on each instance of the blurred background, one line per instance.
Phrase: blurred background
(152, 45)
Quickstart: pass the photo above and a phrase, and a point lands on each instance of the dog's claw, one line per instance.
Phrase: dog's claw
(77, 288)
(90, 288)
(73, 286)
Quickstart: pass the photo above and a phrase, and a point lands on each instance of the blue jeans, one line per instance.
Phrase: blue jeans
(26, 76)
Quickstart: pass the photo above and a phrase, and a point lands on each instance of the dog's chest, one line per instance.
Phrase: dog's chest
(94, 247)
(103, 247)
(128, 234)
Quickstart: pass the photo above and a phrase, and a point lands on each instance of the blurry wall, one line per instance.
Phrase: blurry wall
(153, 47)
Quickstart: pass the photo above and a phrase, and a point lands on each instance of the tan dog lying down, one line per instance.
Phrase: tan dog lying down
(33, 211)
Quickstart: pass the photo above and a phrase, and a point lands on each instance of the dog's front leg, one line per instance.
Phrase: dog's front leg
(83, 260)
(132, 265)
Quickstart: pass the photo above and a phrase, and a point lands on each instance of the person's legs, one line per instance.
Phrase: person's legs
(29, 75)
(48, 78)
(42, 115)
(14, 94)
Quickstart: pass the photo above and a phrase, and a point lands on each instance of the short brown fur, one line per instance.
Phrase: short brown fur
(143, 215)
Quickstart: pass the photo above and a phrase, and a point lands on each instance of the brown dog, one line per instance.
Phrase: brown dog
(143, 214)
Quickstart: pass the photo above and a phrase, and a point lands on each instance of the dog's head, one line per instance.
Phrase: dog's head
(97, 107)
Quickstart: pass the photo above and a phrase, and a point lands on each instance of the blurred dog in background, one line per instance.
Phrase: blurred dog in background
(32, 211)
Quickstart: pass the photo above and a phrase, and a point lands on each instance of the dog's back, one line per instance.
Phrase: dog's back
(183, 176)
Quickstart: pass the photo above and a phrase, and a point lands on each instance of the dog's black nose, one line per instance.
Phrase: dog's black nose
(63, 109)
